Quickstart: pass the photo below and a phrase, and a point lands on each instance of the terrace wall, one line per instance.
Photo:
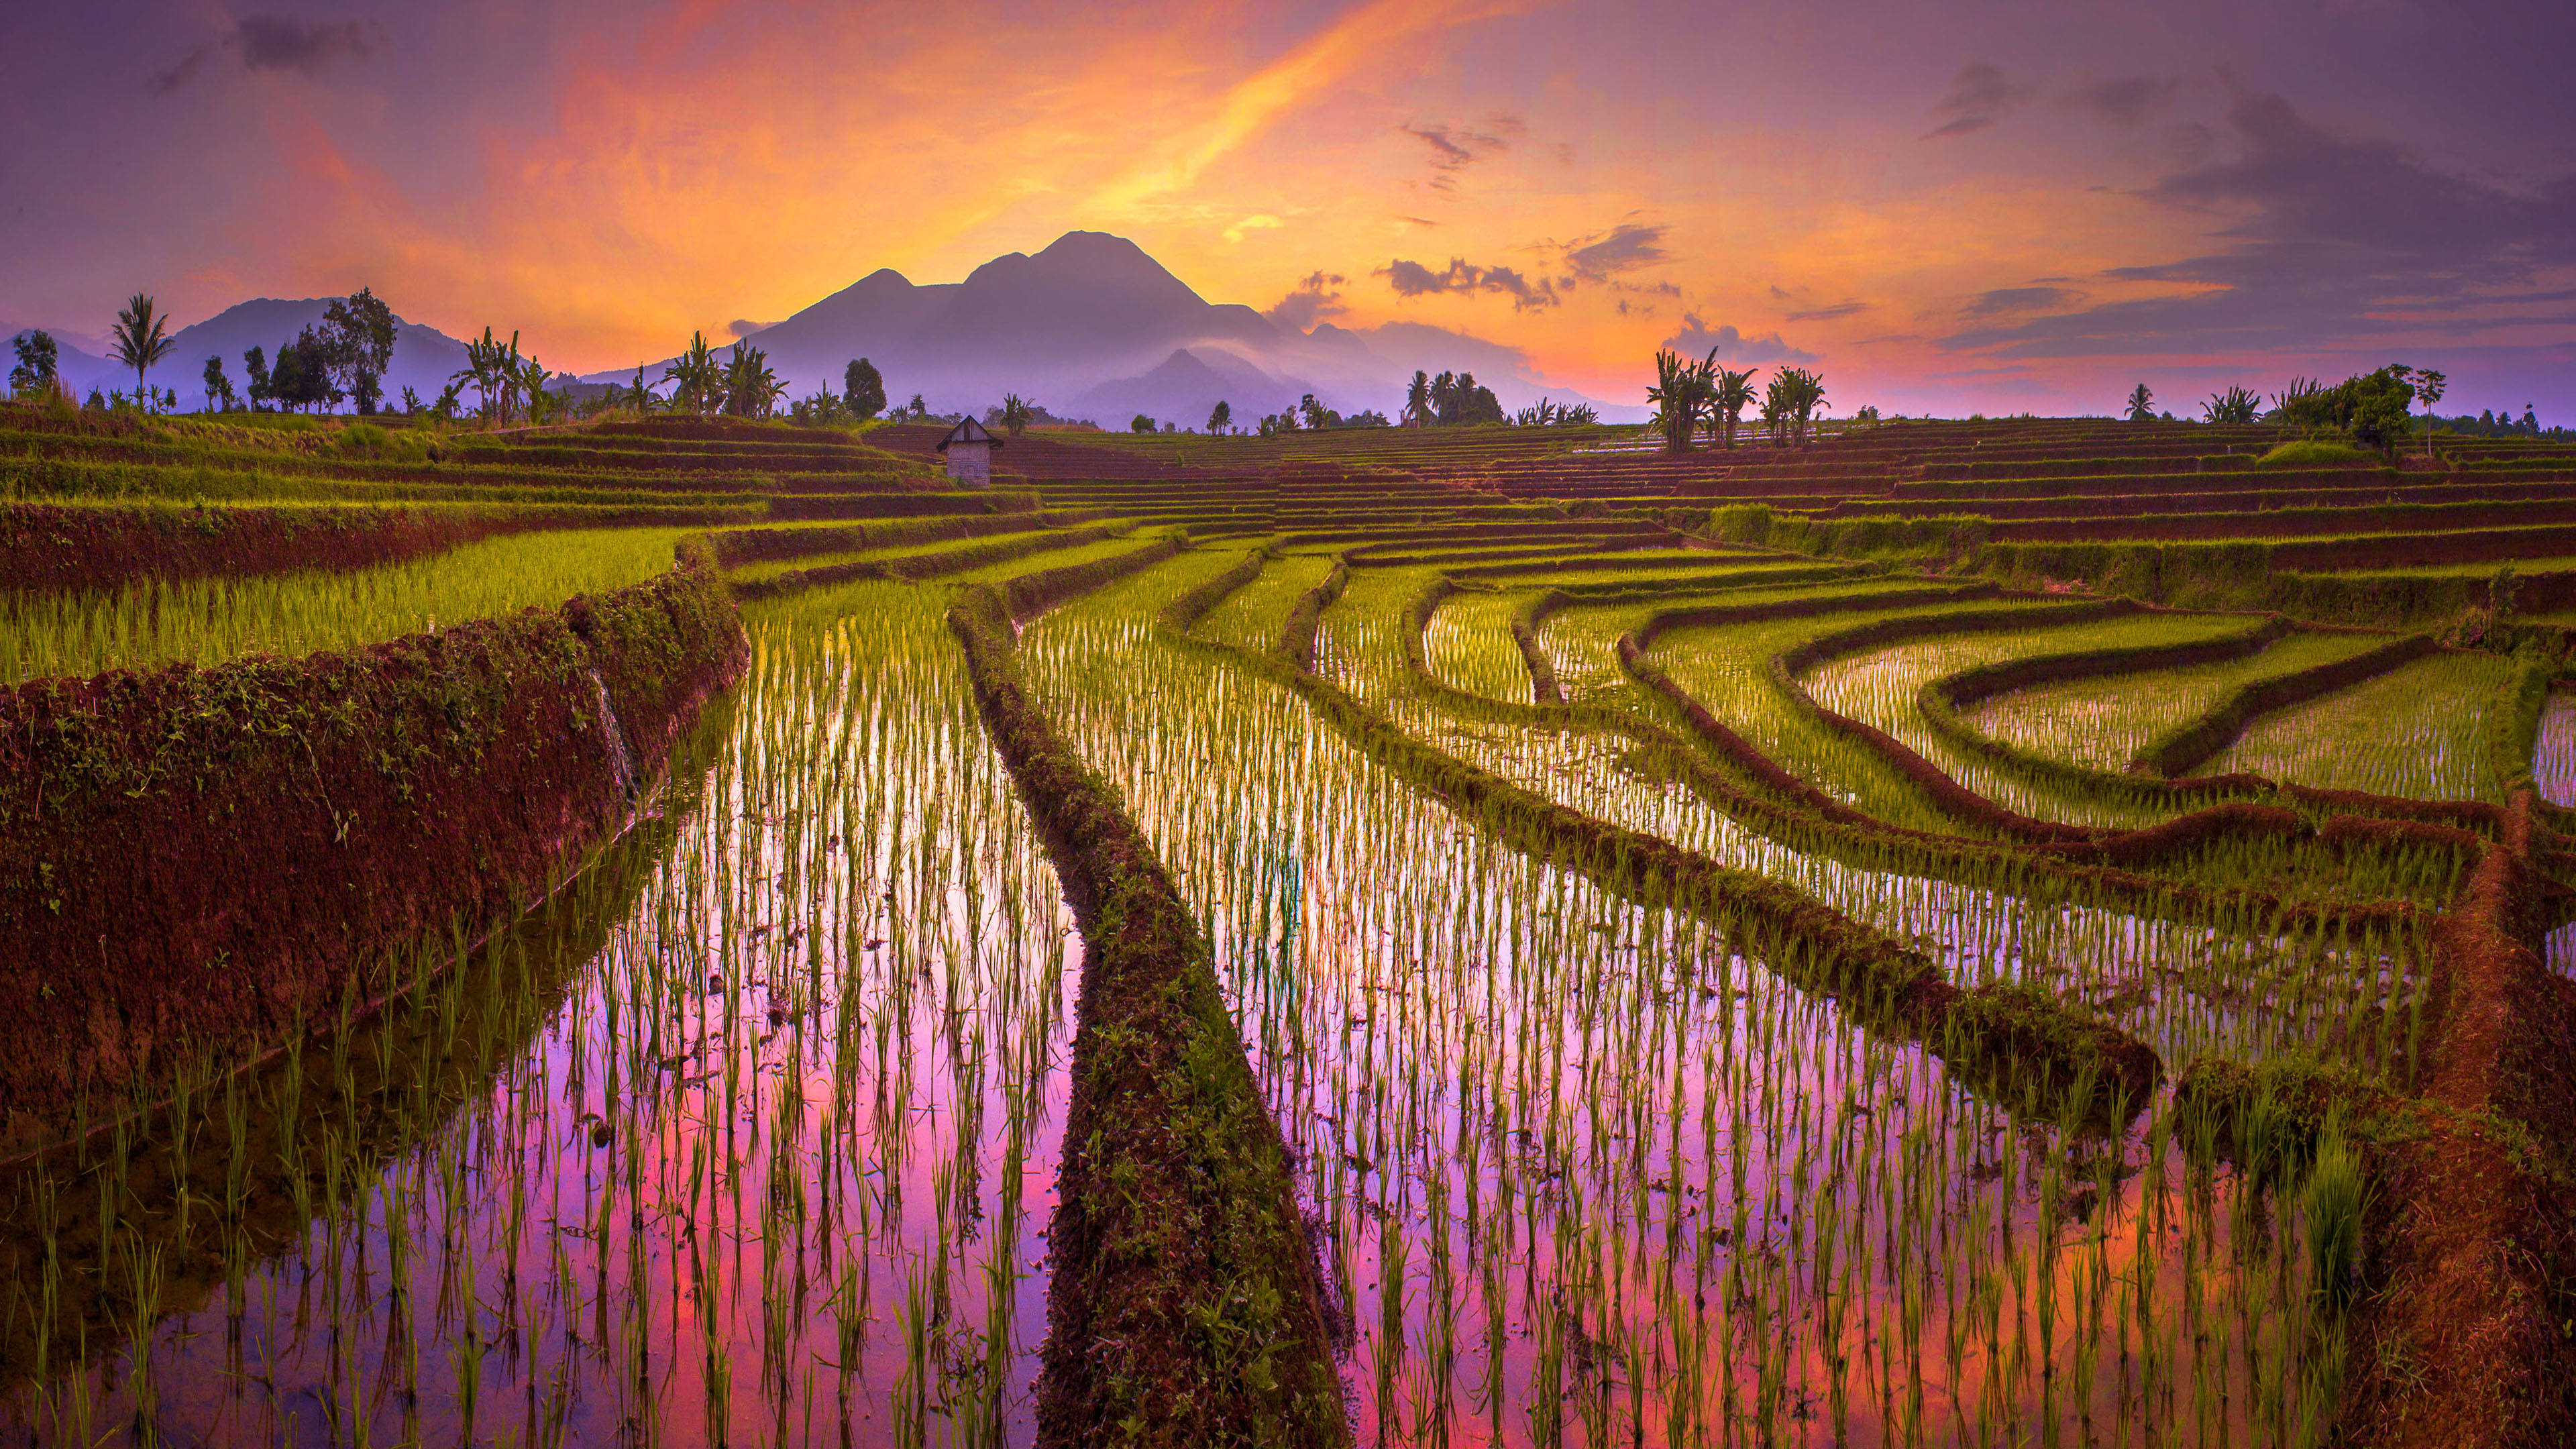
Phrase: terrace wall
(195, 861)
(48, 547)
(1184, 1307)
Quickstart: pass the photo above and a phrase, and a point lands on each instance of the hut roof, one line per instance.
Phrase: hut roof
(968, 431)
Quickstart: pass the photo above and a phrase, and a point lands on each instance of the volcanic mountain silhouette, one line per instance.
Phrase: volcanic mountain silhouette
(1093, 327)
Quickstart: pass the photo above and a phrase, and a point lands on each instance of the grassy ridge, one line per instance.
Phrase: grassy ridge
(427, 777)
(1183, 1307)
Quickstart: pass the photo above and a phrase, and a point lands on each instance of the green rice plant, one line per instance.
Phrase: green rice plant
(208, 621)
(2313, 453)
(1250, 617)
(2417, 731)
(2104, 723)
(1527, 1023)
(740, 1133)
(1879, 688)
(2335, 1202)
(826, 879)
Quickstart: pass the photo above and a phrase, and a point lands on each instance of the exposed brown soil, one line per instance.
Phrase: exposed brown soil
(2467, 1342)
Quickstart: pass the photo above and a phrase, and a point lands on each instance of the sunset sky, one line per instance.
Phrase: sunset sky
(1997, 206)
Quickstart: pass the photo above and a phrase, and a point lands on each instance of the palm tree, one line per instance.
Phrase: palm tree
(493, 367)
(1779, 404)
(2142, 404)
(750, 388)
(531, 381)
(1417, 401)
(1803, 392)
(2429, 385)
(1015, 413)
(1730, 393)
(2234, 406)
(1220, 417)
(141, 336)
(696, 374)
(1681, 393)
(762, 388)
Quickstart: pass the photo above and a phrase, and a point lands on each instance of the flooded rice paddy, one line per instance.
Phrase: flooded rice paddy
(748, 1135)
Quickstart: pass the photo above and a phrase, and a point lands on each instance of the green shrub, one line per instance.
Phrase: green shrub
(2335, 1200)
(2312, 453)
(1742, 523)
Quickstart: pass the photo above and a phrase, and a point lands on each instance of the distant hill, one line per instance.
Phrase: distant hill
(424, 357)
(1093, 327)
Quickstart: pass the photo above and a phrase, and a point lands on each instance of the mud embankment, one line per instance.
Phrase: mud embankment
(194, 861)
(1183, 1305)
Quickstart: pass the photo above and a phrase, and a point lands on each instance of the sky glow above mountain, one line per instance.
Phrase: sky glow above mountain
(1997, 207)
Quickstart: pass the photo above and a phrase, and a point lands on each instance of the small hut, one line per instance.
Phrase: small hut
(969, 450)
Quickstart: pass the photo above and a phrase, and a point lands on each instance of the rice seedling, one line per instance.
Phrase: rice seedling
(634, 1096)
(2417, 731)
(208, 621)
(1250, 617)
(1437, 1002)
(2105, 722)
(1879, 688)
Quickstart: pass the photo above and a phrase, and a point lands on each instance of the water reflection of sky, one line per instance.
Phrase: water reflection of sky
(788, 1145)
(1572, 1163)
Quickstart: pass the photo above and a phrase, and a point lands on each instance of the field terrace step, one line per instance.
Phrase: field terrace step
(487, 467)
(1954, 492)
(793, 461)
(1479, 532)
(2289, 523)
(1752, 489)
(2248, 501)
(1372, 523)
(2400, 551)
(1238, 498)
(1417, 554)
(1159, 493)
(1030, 455)
(899, 505)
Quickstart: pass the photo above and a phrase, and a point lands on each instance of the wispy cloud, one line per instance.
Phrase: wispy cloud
(2312, 252)
(2124, 101)
(275, 42)
(2003, 301)
(1316, 296)
(1698, 339)
(1623, 248)
(1413, 279)
(1368, 35)
(1980, 95)
(1456, 150)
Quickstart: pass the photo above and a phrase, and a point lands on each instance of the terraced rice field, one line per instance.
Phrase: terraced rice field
(1218, 956)
(2104, 723)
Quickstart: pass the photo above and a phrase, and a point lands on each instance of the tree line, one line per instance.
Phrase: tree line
(343, 359)
(2375, 409)
(1452, 399)
(1691, 397)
